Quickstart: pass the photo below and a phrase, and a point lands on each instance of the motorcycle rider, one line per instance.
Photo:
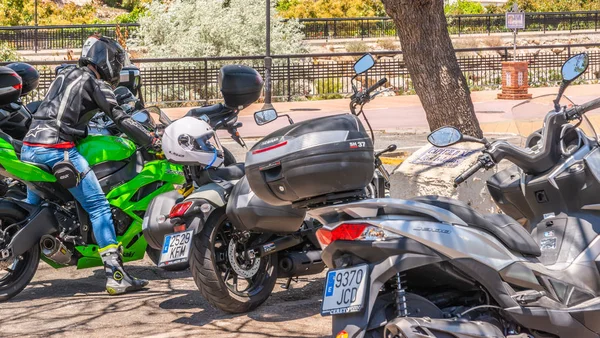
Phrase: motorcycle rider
(62, 118)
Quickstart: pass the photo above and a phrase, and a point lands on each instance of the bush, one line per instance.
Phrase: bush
(214, 28)
(300, 9)
(387, 44)
(357, 47)
(464, 7)
(7, 53)
(21, 13)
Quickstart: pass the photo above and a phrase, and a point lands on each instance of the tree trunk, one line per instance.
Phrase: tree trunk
(431, 61)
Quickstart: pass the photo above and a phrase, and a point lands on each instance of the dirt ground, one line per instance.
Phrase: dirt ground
(72, 303)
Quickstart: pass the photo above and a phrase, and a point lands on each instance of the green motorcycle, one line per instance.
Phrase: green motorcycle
(59, 231)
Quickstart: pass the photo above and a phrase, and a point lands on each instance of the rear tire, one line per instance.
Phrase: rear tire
(22, 270)
(154, 255)
(211, 274)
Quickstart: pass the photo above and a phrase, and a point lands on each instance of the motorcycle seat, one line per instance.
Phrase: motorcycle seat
(17, 144)
(41, 166)
(232, 172)
(503, 227)
(214, 112)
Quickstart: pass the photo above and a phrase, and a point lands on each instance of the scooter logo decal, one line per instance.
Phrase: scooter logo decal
(549, 233)
(436, 230)
(356, 145)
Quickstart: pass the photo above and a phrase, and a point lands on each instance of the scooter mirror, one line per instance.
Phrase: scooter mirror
(363, 64)
(445, 136)
(262, 117)
(575, 67)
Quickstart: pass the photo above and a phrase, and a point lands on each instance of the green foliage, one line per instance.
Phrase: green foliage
(300, 9)
(464, 7)
(209, 28)
(327, 89)
(21, 13)
(131, 17)
(129, 5)
(7, 53)
(554, 5)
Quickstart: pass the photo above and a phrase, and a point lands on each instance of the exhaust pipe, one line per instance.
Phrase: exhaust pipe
(415, 327)
(295, 264)
(55, 250)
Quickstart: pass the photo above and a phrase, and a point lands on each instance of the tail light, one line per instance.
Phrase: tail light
(352, 232)
(180, 209)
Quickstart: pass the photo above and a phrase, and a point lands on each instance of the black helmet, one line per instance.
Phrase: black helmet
(28, 74)
(106, 55)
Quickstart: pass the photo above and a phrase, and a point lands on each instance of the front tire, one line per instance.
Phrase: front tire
(217, 271)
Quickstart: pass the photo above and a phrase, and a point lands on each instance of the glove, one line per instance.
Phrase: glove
(156, 144)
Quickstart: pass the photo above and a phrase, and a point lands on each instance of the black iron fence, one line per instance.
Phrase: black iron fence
(335, 28)
(57, 37)
(194, 81)
(66, 37)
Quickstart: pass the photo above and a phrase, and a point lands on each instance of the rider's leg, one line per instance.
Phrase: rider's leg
(92, 199)
(28, 154)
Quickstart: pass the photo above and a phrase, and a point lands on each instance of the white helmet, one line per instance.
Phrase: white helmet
(187, 141)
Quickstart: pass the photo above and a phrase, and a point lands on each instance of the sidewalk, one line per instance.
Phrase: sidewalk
(404, 114)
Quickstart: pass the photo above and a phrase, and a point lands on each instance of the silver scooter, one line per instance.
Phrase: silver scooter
(434, 267)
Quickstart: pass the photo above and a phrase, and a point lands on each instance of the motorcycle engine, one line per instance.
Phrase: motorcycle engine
(121, 221)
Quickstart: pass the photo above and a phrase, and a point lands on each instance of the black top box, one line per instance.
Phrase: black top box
(240, 86)
(327, 155)
(10, 86)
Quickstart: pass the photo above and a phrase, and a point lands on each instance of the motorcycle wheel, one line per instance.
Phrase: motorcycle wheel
(228, 281)
(154, 255)
(17, 275)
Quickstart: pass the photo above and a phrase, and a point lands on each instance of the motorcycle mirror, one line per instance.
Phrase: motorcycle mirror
(575, 67)
(570, 71)
(263, 117)
(363, 64)
(445, 136)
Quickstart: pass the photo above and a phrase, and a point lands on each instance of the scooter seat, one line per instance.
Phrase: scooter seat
(41, 166)
(232, 172)
(214, 112)
(503, 227)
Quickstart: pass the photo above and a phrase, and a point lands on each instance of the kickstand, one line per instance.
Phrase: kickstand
(289, 281)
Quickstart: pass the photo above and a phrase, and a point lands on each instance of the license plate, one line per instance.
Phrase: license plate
(345, 290)
(176, 248)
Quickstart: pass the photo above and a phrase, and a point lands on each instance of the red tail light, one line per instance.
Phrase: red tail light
(275, 146)
(180, 209)
(343, 232)
(17, 86)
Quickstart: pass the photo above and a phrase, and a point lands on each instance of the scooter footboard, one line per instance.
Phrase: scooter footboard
(398, 256)
(414, 327)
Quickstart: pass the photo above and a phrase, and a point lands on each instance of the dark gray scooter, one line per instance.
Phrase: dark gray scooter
(434, 267)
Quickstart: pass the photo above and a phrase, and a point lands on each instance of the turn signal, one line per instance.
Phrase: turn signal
(180, 209)
(342, 334)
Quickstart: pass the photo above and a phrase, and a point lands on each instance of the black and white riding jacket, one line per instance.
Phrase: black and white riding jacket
(73, 98)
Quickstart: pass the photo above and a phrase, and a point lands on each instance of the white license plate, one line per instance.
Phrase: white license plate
(176, 248)
(345, 290)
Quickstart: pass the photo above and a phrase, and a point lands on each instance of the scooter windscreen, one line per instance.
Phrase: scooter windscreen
(528, 119)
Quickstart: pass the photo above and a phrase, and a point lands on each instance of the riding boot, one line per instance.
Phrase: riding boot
(118, 281)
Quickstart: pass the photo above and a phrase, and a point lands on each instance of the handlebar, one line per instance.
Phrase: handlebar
(375, 86)
(579, 110)
(470, 172)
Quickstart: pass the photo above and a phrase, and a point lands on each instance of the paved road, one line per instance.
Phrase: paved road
(402, 114)
(72, 303)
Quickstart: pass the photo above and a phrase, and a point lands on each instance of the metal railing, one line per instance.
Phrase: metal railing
(56, 37)
(376, 27)
(194, 81)
(66, 37)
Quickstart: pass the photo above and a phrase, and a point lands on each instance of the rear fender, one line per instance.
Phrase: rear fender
(196, 216)
(407, 254)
